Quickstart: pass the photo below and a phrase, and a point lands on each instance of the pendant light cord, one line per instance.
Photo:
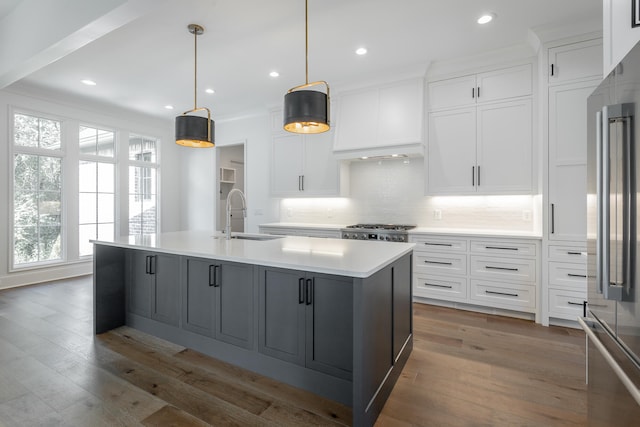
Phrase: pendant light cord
(195, 68)
(306, 41)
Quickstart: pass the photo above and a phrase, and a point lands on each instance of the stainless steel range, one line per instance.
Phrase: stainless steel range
(385, 232)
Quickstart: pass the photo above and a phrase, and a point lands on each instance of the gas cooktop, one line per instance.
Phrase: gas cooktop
(394, 227)
(386, 232)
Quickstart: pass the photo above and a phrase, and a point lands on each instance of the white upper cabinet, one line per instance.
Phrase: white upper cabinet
(575, 61)
(618, 33)
(376, 118)
(490, 86)
(304, 165)
(485, 146)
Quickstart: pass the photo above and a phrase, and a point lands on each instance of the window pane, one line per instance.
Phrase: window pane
(49, 208)
(25, 172)
(106, 141)
(87, 140)
(25, 245)
(25, 130)
(50, 243)
(87, 212)
(87, 176)
(25, 208)
(106, 178)
(142, 148)
(86, 233)
(50, 169)
(106, 231)
(50, 134)
(106, 207)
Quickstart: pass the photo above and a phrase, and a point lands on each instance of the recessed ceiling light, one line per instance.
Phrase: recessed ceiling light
(486, 18)
(88, 82)
(274, 74)
(361, 51)
(209, 90)
(169, 107)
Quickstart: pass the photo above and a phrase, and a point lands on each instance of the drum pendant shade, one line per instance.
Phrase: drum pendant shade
(306, 111)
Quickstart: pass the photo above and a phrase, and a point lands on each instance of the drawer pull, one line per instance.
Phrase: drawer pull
(574, 303)
(573, 253)
(438, 262)
(438, 286)
(584, 276)
(438, 244)
(501, 248)
(502, 293)
(488, 267)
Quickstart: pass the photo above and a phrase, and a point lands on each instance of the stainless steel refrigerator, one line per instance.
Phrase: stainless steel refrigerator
(612, 320)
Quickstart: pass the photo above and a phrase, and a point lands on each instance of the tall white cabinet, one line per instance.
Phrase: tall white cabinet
(574, 70)
(480, 133)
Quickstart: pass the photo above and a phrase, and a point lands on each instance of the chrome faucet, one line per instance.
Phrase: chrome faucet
(243, 209)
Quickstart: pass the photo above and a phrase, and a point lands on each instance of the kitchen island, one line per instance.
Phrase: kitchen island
(330, 316)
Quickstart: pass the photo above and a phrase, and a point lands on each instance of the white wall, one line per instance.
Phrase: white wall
(80, 110)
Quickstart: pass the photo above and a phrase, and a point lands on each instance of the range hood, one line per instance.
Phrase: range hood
(388, 152)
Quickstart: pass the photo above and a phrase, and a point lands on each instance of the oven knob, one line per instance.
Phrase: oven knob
(380, 238)
(400, 238)
(386, 238)
(363, 236)
(354, 236)
(394, 238)
(345, 235)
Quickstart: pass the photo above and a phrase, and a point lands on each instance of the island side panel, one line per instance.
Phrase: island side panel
(108, 288)
(378, 311)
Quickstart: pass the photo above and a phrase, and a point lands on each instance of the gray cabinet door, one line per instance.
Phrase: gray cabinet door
(165, 272)
(402, 308)
(198, 297)
(138, 283)
(234, 304)
(329, 324)
(282, 310)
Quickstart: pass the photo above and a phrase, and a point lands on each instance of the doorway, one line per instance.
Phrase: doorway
(231, 174)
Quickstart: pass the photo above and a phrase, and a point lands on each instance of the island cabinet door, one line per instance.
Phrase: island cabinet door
(165, 273)
(329, 324)
(234, 304)
(198, 295)
(282, 312)
(402, 308)
(138, 282)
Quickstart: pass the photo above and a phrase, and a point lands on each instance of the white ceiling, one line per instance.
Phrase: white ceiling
(148, 63)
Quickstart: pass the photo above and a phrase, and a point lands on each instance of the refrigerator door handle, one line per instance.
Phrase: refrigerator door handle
(622, 376)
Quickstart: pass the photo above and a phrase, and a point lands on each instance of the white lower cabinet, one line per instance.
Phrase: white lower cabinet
(500, 273)
(565, 287)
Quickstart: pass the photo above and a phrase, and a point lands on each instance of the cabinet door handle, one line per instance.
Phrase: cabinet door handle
(501, 293)
(552, 70)
(213, 276)
(147, 264)
(473, 92)
(438, 262)
(299, 182)
(584, 276)
(501, 248)
(573, 253)
(302, 182)
(151, 267)
(301, 295)
(478, 175)
(438, 286)
(478, 91)
(473, 176)
(574, 303)
(489, 267)
(553, 218)
(438, 244)
(309, 291)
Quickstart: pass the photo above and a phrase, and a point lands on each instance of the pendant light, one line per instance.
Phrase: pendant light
(195, 131)
(306, 111)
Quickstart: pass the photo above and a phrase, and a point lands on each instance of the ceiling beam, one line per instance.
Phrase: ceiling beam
(38, 32)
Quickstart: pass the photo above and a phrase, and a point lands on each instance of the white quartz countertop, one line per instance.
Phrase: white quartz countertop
(354, 258)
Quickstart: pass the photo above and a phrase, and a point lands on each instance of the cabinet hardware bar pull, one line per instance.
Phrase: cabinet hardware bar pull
(577, 275)
(147, 264)
(438, 244)
(478, 91)
(302, 182)
(301, 295)
(473, 176)
(553, 218)
(212, 275)
(152, 266)
(489, 267)
(574, 303)
(438, 286)
(574, 253)
(478, 175)
(501, 248)
(473, 92)
(309, 291)
(299, 182)
(438, 262)
(501, 293)
(552, 69)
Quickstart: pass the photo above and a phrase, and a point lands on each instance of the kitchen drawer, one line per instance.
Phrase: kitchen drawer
(438, 244)
(577, 254)
(503, 248)
(566, 304)
(436, 263)
(445, 288)
(509, 296)
(567, 275)
(503, 268)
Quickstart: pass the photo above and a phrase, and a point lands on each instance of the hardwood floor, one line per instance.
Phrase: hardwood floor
(466, 369)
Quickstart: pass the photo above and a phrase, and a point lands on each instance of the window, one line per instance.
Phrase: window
(96, 185)
(37, 190)
(143, 170)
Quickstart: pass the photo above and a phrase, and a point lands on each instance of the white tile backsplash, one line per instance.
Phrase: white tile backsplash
(392, 191)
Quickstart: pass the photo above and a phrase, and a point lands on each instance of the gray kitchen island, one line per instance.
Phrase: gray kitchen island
(330, 316)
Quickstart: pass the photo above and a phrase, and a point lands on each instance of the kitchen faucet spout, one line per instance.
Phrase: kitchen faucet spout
(229, 209)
